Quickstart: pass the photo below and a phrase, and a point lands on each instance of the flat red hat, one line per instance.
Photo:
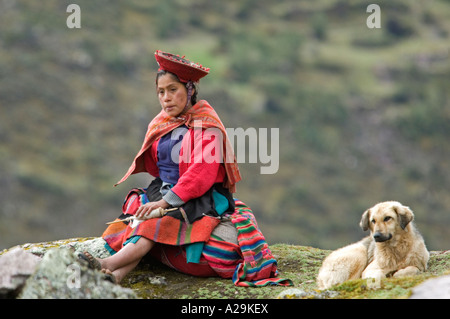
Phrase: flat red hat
(183, 68)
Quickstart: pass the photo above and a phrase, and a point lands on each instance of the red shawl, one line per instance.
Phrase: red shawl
(199, 115)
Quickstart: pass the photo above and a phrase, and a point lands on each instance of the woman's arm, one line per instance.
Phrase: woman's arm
(200, 167)
(200, 164)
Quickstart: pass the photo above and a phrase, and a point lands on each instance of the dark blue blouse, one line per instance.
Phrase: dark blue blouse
(168, 155)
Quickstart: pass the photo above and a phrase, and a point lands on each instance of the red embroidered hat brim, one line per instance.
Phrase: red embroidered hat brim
(183, 68)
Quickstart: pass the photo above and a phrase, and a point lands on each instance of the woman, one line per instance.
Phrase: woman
(204, 231)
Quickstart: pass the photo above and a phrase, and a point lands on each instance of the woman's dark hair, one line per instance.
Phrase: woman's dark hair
(164, 72)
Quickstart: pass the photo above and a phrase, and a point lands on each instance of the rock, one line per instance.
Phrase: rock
(95, 246)
(59, 274)
(16, 266)
(157, 280)
(436, 288)
(53, 270)
(62, 275)
(292, 293)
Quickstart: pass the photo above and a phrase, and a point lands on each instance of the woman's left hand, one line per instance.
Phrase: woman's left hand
(144, 211)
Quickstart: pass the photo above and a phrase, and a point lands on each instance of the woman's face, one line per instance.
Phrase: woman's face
(172, 95)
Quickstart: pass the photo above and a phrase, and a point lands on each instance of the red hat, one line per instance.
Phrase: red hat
(183, 68)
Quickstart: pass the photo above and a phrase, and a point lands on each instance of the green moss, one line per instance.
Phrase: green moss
(298, 263)
(388, 288)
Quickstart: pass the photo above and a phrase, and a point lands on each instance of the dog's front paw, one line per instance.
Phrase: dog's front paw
(372, 273)
(408, 271)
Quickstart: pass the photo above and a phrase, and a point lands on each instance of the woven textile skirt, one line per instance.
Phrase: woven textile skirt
(248, 261)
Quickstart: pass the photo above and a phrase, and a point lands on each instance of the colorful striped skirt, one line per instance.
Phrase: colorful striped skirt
(248, 262)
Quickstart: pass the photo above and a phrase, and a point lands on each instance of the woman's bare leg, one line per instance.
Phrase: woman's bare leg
(126, 259)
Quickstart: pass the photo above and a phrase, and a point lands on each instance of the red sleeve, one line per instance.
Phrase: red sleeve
(200, 164)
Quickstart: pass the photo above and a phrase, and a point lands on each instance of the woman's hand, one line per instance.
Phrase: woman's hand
(144, 211)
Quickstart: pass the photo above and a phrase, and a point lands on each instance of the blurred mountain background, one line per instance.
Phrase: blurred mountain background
(363, 114)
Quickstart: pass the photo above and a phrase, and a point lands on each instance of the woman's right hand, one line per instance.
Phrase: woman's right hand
(144, 211)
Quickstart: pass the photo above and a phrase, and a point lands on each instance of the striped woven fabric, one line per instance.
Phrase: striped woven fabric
(249, 264)
(166, 230)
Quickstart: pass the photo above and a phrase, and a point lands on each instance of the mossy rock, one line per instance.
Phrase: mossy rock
(152, 280)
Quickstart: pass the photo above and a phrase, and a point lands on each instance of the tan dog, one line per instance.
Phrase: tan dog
(394, 247)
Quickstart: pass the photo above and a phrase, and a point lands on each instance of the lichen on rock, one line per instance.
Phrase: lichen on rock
(61, 275)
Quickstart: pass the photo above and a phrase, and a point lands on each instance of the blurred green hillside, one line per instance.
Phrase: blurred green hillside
(363, 114)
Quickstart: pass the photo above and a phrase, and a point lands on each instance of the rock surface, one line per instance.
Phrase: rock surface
(60, 275)
(53, 270)
(16, 266)
(294, 293)
(436, 288)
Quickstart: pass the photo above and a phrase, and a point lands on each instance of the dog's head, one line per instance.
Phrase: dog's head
(385, 219)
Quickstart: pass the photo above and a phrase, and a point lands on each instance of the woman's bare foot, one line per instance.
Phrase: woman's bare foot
(93, 262)
(96, 264)
(109, 276)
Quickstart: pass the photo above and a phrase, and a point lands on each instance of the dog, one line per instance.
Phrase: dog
(394, 248)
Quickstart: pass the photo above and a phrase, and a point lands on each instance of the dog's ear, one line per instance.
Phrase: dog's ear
(405, 215)
(364, 223)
